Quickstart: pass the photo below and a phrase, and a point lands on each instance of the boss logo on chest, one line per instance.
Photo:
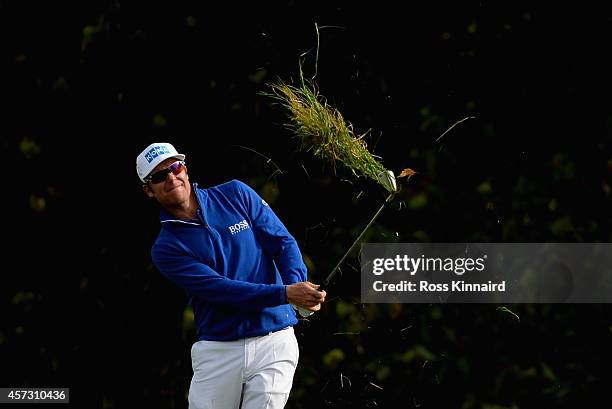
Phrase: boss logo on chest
(238, 227)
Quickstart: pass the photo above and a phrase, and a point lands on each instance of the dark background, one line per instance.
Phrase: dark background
(86, 86)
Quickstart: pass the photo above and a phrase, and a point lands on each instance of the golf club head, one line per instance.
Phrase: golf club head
(387, 179)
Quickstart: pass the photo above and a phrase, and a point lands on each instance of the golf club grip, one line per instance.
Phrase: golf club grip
(303, 311)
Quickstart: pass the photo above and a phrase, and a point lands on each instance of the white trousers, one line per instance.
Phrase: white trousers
(250, 373)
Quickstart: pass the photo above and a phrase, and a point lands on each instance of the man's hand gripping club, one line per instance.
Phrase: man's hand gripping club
(305, 297)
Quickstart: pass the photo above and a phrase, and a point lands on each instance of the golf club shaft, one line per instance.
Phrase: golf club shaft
(357, 240)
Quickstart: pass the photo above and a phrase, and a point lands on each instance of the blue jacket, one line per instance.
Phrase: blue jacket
(234, 261)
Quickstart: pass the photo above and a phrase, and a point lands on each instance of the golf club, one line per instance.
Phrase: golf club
(388, 180)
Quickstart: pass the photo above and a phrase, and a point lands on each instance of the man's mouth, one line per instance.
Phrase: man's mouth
(173, 187)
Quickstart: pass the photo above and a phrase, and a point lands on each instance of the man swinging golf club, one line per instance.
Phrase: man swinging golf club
(241, 269)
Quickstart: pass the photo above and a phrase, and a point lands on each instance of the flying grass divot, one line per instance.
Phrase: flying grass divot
(321, 130)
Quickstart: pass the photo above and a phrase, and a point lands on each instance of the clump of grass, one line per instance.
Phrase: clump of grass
(322, 130)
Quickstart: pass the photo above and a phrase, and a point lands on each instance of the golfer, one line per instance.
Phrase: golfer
(241, 269)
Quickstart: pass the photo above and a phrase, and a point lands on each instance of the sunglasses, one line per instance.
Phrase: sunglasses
(160, 176)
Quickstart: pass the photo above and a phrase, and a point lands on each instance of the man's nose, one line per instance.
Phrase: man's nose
(170, 176)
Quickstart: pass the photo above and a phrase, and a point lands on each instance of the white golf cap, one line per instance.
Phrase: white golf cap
(152, 156)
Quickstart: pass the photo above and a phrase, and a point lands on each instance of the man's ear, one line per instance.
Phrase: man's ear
(148, 190)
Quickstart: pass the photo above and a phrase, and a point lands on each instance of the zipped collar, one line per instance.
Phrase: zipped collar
(202, 197)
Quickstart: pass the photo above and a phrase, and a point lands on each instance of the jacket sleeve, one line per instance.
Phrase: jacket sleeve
(199, 279)
(274, 237)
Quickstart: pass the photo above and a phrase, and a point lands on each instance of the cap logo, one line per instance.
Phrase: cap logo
(155, 152)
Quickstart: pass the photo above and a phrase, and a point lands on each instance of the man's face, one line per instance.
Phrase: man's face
(173, 190)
